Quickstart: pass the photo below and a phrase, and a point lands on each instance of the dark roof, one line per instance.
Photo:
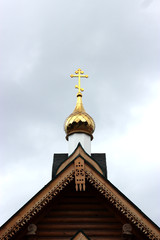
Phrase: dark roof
(59, 158)
(101, 159)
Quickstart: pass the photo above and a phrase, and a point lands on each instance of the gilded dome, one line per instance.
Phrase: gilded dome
(79, 121)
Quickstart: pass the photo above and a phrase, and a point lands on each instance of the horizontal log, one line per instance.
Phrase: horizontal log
(108, 220)
(45, 226)
(78, 194)
(81, 206)
(79, 212)
(68, 238)
(106, 238)
(70, 233)
(79, 200)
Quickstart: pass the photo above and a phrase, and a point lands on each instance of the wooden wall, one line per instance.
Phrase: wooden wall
(75, 211)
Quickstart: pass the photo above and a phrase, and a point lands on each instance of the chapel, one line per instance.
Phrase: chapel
(79, 202)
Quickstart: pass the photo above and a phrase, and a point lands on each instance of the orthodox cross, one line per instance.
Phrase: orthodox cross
(79, 73)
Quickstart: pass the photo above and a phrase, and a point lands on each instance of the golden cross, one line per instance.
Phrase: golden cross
(79, 72)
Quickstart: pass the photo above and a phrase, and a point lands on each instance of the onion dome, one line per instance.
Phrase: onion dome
(79, 121)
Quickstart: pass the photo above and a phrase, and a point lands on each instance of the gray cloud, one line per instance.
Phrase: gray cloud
(117, 44)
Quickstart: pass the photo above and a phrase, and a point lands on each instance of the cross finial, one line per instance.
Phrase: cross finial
(79, 73)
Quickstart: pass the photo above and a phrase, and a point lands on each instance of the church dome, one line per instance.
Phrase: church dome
(79, 121)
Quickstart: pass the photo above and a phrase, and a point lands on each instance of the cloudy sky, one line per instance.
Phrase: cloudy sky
(115, 42)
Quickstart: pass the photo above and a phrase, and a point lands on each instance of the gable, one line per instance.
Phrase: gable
(123, 210)
(59, 158)
(79, 211)
(79, 151)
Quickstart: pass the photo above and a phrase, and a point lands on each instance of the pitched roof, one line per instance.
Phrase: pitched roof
(94, 176)
(59, 159)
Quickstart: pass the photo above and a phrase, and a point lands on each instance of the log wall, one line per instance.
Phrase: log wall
(76, 211)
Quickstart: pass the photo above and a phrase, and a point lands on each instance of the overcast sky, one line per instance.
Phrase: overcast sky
(116, 43)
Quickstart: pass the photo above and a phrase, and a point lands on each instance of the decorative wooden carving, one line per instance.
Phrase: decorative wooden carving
(80, 236)
(127, 229)
(37, 207)
(31, 234)
(117, 203)
(107, 193)
(127, 232)
(32, 228)
(79, 174)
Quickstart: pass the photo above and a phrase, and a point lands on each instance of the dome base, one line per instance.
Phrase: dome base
(82, 138)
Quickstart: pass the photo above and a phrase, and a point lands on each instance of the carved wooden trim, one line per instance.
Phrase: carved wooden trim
(58, 184)
(38, 206)
(79, 151)
(118, 204)
(80, 236)
(79, 174)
